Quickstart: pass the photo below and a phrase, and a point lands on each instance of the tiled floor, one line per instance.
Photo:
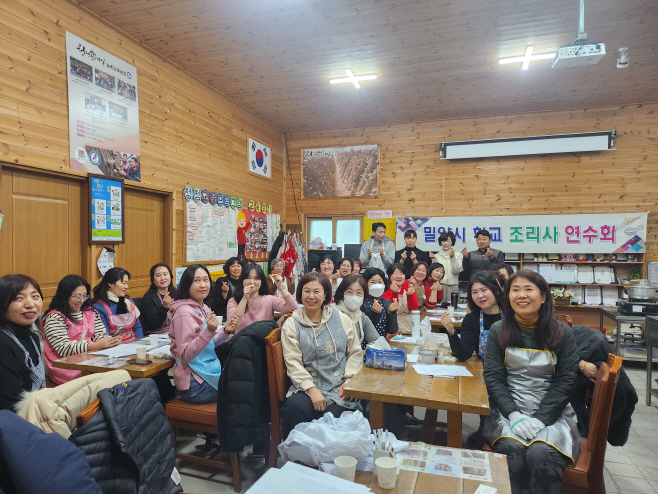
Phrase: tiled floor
(630, 469)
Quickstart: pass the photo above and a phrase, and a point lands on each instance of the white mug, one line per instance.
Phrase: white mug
(387, 472)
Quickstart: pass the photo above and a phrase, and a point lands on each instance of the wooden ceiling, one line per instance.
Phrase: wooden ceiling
(436, 60)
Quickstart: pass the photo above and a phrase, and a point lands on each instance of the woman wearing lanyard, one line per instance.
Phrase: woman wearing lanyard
(72, 326)
(402, 294)
(530, 370)
(376, 307)
(117, 311)
(155, 303)
(225, 286)
(194, 335)
(484, 297)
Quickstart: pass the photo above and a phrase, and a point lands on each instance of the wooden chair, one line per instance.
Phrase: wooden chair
(565, 319)
(586, 476)
(278, 383)
(83, 417)
(202, 418)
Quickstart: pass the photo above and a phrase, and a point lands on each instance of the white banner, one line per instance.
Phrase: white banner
(103, 111)
(555, 233)
(259, 158)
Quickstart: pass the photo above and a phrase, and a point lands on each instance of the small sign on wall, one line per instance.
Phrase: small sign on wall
(380, 214)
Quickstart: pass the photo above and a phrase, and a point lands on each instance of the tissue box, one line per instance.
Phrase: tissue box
(393, 359)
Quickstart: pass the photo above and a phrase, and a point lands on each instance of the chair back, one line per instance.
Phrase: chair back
(84, 416)
(276, 368)
(604, 393)
(565, 319)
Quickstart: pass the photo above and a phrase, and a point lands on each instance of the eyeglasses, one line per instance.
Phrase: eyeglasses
(326, 263)
(80, 298)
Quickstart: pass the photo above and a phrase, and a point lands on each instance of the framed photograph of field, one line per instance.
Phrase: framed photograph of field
(340, 172)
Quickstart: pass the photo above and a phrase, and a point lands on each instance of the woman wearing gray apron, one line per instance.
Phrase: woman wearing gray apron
(322, 352)
(530, 370)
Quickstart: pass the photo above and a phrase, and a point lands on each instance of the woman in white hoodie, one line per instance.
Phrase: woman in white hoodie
(452, 263)
(322, 352)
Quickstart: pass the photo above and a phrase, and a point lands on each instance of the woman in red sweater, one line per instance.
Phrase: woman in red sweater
(428, 289)
(402, 294)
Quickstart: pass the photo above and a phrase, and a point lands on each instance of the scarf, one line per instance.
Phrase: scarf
(354, 316)
(526, 324)
(126, 301)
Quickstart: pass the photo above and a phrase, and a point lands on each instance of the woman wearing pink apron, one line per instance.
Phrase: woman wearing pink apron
(71, 326)
(118, 312)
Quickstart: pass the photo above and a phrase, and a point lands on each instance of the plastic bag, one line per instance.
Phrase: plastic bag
(325, 439)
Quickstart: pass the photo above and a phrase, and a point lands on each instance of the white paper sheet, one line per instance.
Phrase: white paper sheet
(585, 274)
(593, 295)
(603, 275)
(122, 350)
(548, 272)
(609, 295)
(442, 370)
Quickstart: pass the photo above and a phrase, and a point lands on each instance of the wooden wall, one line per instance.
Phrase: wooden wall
(189, 133)
(415, 182)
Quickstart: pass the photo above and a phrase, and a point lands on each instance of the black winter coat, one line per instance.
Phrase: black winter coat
(594, 348)
(128, 443)
(243, 403)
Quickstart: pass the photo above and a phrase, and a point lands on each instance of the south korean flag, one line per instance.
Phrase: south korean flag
(259, 158)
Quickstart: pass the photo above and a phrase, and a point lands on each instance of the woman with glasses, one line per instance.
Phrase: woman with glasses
(72, 326)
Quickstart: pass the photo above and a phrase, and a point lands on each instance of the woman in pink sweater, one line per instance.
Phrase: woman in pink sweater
(251, 301)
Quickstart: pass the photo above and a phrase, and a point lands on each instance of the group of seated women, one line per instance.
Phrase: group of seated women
(530, 359)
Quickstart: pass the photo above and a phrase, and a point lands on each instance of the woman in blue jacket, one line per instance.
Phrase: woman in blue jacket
(118, 312)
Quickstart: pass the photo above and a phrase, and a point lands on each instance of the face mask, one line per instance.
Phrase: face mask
(376, 290)
(352, 302)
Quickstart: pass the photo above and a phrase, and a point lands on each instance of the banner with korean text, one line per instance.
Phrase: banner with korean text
(103, 111)
(555, 233)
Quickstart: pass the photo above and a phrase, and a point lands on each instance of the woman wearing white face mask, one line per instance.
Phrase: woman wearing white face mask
(349, 299)
(377, 308)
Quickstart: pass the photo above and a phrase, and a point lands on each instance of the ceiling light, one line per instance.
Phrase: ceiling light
(527, 58)
(354, 79)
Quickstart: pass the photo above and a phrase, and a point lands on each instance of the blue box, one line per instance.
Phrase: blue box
(393, 359)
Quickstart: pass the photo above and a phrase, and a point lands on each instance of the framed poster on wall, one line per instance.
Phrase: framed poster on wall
(106, 210)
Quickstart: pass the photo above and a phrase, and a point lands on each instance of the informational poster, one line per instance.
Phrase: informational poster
(106, 221)
(257, 234)
(259, 158)
(206, 232)
(103, 111)
(610, 233)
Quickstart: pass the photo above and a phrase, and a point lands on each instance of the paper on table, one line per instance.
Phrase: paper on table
(485, 489)
(122, 350)
(404, 339)
(412, 358)
(442, 370)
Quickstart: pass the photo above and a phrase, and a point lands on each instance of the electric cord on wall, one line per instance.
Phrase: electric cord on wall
(292, 182)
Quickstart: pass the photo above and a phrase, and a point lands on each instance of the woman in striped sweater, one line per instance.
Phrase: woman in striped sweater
(72, 326)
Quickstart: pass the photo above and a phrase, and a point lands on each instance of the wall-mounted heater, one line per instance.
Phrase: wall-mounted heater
(519, 146)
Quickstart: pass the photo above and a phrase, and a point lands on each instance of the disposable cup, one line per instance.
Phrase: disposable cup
(153, 339)
(387, 472)
(141, 352)
(345, 467)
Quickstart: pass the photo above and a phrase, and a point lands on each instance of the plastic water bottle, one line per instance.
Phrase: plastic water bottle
(415, 324)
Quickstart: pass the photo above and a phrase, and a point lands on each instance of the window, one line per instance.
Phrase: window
(324, 231)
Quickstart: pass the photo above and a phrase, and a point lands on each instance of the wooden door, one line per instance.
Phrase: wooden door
(41, 233)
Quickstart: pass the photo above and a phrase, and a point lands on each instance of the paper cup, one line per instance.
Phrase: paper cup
(387, 472)
(153, 339)
(345, 467)
(141, 352)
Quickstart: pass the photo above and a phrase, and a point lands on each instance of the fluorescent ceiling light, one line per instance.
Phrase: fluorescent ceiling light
(354, 79)
(527, 58)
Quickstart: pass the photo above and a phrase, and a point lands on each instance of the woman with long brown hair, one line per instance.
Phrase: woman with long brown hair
(530, 370)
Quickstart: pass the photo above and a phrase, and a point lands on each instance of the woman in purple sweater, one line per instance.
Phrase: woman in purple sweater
(252, 302)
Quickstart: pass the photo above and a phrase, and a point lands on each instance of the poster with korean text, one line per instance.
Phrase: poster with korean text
(103, 111)
(556, 233)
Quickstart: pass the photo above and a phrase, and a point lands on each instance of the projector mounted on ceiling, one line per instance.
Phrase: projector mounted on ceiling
(583, 51)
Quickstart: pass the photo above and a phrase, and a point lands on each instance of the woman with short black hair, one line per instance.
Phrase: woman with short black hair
(530, 370)
(72, 326)
(118, 312)
(402, 295)
(375, 306)
(322, 353)
(348, 299)
(226, 285)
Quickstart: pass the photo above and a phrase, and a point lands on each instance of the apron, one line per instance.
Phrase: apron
(37, 372)
(121, 323)
(529, 374)
(404, 315)
(206, 365)
(77, 332)
(324, 356)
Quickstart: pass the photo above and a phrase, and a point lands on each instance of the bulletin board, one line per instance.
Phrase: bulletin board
(390, 227)
(106, 215)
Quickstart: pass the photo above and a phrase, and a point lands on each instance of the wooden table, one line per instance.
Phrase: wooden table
(135, 371)
(410, 482)
(456, 396)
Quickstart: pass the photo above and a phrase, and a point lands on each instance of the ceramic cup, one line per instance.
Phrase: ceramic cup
(345, 467)
(141, 352)
(153, 339)
(387, 472)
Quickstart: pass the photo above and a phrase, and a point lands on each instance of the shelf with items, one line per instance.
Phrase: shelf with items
(587, 284)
